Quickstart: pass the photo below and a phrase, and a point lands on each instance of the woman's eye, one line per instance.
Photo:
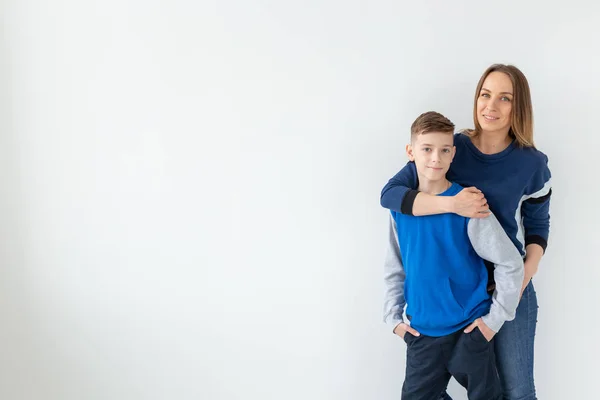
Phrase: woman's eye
(504, 98)
(485, 95)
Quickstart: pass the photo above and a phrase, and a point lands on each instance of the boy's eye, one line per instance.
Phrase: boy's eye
(426, 148)
(446, 150)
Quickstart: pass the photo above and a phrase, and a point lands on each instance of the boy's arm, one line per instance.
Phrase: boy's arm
(401, 195)
(491, 243)
(394, 277)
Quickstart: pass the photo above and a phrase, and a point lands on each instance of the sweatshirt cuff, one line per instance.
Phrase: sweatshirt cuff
(394, 321)
(531, 239)
(493, 323)
(407, 203)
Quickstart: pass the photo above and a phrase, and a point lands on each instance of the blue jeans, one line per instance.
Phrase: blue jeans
(514, 350)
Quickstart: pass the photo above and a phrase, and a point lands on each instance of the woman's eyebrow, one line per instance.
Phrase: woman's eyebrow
(488, 90)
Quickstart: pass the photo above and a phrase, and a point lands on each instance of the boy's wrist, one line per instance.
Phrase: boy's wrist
(493, 324)
(394, 323)
(396, 328)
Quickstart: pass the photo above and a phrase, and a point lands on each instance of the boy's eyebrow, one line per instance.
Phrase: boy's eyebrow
(488, 90)
(427, 144)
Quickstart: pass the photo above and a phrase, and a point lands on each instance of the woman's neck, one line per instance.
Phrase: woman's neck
(492, 142)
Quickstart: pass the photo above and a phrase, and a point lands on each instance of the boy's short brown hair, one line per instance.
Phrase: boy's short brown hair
(428, 122)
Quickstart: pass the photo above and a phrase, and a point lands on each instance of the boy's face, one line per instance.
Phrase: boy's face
(432, 153)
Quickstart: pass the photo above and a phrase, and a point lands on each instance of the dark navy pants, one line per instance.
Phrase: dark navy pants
(468, 357)
(514, 350)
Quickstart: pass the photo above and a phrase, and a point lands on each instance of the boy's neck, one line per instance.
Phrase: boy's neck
(433, 187)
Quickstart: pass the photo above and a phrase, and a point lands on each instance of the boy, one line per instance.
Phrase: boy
(435, 267)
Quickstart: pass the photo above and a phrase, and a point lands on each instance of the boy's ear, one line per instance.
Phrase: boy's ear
(410, 154)
(453, 153)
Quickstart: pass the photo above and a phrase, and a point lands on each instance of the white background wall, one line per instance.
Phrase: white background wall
(189, 202)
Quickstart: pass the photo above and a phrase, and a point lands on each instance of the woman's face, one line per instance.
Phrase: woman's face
(494, 103)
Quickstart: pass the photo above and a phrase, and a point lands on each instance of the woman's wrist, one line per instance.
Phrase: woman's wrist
(449, 204)
(531, 268)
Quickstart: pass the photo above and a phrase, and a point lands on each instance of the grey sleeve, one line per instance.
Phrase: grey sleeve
(394, 276)
(491, 243)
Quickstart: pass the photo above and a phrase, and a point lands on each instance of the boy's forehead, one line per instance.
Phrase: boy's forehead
(435, 138)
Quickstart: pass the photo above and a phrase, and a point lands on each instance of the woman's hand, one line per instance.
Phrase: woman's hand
(402, 328)
(485, 330)
(471, 203)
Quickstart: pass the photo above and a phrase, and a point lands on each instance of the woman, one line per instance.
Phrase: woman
(497, 158)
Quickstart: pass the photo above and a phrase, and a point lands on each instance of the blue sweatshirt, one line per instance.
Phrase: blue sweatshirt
(435, 267)
(516, 183)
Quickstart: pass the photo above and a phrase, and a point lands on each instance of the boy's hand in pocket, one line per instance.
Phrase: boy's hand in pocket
(402, 328)
(488, 334)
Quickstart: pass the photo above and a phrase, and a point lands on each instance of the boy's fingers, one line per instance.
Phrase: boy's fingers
(470, 327)
(413, 332)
